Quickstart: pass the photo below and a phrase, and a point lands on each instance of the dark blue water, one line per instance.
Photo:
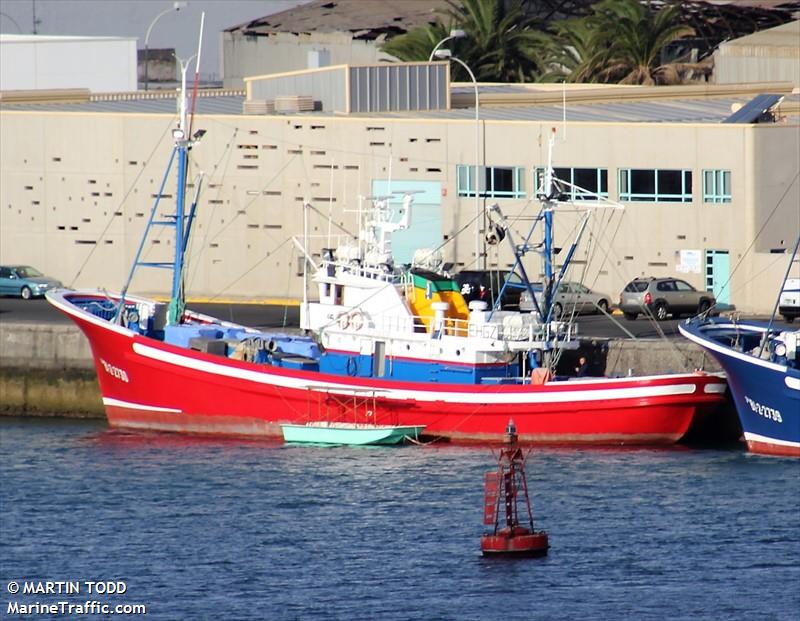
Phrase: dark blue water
(216, 529)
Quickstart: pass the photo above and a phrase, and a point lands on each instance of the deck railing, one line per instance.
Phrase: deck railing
(492, 330)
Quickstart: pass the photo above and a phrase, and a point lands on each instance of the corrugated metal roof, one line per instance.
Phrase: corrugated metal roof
(672, 111)
(786, 35)
(205, 105)
(661, 111)
(347, 16)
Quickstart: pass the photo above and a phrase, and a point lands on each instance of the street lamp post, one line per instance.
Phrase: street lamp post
(12, 20)
(176, 6)
(454, 34)
(447, 54)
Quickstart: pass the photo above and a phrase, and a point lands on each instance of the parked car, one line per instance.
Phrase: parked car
(660, 297)
(789, 303)
(487, 284)
(571, 298)
(25, 281)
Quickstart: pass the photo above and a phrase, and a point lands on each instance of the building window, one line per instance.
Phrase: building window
(716, 186)
(667, 186)
(496, 181)
(591, 183)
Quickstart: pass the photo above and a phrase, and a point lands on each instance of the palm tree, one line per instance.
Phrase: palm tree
(638, 39)
(620, 42)
(501, 45)
(574, 54)
(417, 44)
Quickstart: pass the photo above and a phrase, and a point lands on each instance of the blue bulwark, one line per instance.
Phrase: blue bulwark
(404, 370)
(752, 111)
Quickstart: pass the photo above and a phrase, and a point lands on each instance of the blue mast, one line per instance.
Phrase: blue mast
(550, 197)
(179, 220)
(177, 301)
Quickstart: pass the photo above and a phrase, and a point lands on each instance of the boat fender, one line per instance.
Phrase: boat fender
(272, 346)
(343, 320)
(357, 320)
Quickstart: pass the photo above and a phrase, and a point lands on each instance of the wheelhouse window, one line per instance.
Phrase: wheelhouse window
(657, 185)
(593, 182)
(716, 186)
(495, 181)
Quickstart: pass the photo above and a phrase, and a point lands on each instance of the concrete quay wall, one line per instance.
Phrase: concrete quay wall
(48, 368)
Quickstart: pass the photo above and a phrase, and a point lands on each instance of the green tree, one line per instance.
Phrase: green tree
(501, 43)
(620, 42)
(638, 39)
(574, 54)
(417, 44)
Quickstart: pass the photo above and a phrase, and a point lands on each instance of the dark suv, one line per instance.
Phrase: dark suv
(660, 297)
(486, 285)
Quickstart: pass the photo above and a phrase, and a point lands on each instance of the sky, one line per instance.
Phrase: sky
(131, 18)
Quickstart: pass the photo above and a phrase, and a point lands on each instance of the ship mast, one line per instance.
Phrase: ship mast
(179, 220)
(177, 300)
(183, 143)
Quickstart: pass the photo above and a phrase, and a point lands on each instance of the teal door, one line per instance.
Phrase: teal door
(426, 216)
(718, 275)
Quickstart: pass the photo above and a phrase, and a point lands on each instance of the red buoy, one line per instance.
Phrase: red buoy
(503, 488)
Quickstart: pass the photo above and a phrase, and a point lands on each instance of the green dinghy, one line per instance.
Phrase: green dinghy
(353, 434)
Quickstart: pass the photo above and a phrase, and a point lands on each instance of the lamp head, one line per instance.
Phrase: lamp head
(179, 5)
(457, 34)
(443, 54)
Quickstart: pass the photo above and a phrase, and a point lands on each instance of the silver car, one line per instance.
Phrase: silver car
(661, 297)
(571, 298)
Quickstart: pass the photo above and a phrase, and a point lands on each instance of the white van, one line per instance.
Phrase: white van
(789, 303)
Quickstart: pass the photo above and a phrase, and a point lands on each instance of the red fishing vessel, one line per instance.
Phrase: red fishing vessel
(401, 338)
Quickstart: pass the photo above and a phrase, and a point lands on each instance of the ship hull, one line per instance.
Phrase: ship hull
(148, 384)
(766, 394)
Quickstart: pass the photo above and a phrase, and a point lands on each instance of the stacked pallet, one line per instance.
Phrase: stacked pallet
(258, 106)
(294, 103)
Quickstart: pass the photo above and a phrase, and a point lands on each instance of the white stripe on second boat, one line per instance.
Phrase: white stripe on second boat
(582, 393)
(754, 437)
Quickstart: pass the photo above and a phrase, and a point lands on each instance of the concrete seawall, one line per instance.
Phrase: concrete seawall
(48, 368)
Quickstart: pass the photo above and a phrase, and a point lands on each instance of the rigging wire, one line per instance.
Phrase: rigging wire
(246, 272)
(132, 187)
(351, 152)
(226, 155)
(761, 230)
(253, 200)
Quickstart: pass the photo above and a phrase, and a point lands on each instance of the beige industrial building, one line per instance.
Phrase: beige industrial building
(320, 34)
(767, 55)
(717, 202)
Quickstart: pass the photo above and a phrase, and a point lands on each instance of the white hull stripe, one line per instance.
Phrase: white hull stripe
(792, 382)
(137, 406)
(477, 397)
(708, 343)
(754, 437)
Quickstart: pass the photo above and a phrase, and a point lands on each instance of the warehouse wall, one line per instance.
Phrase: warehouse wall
(76, 190)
